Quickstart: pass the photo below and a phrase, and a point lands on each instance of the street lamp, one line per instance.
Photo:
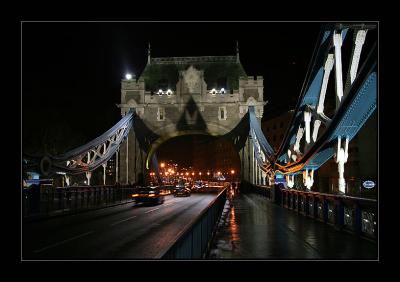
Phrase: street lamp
(162, 165)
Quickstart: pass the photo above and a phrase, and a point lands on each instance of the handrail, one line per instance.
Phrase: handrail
(330, 195)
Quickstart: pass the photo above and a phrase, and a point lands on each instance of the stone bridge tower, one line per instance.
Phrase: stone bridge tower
(188, 95)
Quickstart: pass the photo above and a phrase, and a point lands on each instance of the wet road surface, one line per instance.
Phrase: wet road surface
(255, 228)
(122, 232)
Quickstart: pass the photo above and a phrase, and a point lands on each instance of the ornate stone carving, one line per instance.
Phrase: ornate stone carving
(192, 79)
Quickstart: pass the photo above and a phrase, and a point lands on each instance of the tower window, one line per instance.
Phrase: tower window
(161, 114)
(222, 113)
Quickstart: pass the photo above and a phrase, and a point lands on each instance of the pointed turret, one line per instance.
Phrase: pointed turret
(237, 51)
(148, 55)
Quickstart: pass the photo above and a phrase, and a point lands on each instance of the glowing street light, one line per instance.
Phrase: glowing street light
(232, 171)
(128, 76)
(192, 173)
(208, 173)
(162, 165)
(219, 173)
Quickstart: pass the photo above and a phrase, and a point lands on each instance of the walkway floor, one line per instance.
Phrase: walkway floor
(255, 228)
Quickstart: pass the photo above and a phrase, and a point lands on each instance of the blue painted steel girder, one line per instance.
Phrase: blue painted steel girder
(355, 110)
(312, 89)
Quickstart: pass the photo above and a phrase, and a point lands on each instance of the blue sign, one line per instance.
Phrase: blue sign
(369, 184)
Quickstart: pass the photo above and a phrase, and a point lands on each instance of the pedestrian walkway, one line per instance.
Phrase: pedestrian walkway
(252, 227)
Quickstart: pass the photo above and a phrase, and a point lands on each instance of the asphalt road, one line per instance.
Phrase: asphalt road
(123, 232)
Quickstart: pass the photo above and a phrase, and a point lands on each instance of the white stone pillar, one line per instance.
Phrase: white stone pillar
(308, 178)
(67, 178)
(263, 178)
(327, 70)
(299, 135)
(104, 173)
(88, 176)
(341, 159)
(337, 41)
(359, 42)
(307, 121)
(317, 124)
(290, 180)
(253, 172)
(127, 161)
(116, 167)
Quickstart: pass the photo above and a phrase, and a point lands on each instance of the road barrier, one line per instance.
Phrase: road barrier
(194, 241)
(42, 202)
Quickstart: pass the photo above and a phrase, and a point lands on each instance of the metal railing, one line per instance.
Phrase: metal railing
(354, 214)
(194, 241)
(49, 201)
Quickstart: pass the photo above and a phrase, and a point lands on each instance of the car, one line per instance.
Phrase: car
(198, 186)
(185, 192)
(148, 195)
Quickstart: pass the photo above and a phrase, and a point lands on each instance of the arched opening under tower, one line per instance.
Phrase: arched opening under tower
(196, 157)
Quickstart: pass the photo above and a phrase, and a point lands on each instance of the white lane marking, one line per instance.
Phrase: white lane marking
(118, 222)
(63, 242)
(168, 204)
(152, 210)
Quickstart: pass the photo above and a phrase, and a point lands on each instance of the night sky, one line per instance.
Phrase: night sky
(71, 72)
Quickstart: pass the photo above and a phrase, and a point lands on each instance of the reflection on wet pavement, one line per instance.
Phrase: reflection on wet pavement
(253, 227)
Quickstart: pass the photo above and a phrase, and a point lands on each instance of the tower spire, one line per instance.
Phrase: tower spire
(148, 54)
(237, 51)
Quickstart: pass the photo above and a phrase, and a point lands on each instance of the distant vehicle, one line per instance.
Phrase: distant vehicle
(179, 185)
(185, 192)
(199, 185)
(221, 178)
(150, 194)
